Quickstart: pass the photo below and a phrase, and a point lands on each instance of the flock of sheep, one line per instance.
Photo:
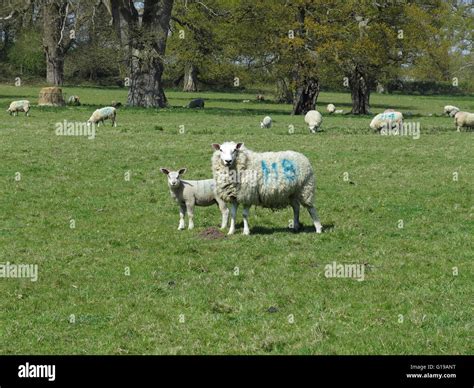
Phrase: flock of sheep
(240, 176)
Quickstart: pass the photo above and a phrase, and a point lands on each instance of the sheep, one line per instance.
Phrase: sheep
(260, 97)
(116, 104)
(389, 110)
(73, 101)
(197, 103)
(331, 108)
(189, 193)
(270, 179)
(387, 120)
(451, 110)
(314, 119)
(464, 119)
(266, 122)
(100, 115)
(19, 106)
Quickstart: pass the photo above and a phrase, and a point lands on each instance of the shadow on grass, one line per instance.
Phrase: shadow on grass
(304, 229)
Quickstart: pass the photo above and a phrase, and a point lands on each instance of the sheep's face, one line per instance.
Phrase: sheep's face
(228, 152)
(174, 179)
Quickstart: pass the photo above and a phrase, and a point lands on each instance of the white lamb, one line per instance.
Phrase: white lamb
(193, 193)
(451, 110)
(464, 120)
(266, 122)
(331, 108)
(100, 115)
(19, 106)
(270, 179)
(387, 120)
(314, 119)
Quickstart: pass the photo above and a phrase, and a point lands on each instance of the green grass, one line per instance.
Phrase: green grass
(175, 274)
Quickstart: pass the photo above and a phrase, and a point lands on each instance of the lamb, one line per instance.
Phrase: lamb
(331, 108)
(387, 120)
(74, 101)
(193, 193)
(314, 119)
(197, 103)
(19, 106)
(270, 179)
(266, 122)
(451, 110)
(100, 115)
(464, 119)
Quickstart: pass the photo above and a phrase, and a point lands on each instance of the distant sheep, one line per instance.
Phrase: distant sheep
(270, 179)
(314, 119)
(100, 115)
(464, 120)
(19, 106)
(266, 122)
(387, 120)
(331, 108)
(451, 110)
(260, 97)
(189, 193)
(197, 103)
(73, 101)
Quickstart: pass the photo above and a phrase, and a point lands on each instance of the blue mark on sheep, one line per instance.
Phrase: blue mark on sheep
(265, 171)
(107, 111)
(289, 169)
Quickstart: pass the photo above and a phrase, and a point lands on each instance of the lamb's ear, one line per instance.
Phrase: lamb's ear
(181, 171)
(165, 171)
(239, 146)
(216, 146)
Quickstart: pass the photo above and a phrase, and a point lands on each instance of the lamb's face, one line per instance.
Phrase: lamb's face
(174, 179)
(228, 152)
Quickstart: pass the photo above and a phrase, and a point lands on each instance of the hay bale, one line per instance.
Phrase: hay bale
(51, 96)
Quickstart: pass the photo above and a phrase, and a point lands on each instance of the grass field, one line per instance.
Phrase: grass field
(260, 294)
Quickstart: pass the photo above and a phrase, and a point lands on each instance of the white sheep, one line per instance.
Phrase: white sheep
(266, 122)
(387, 120)
(100, 115)
(19, 106)
(74, 101)
(331, 108)
(464, 120)
(270, 179)
(314, 119)
(190, 193)
(451, 110)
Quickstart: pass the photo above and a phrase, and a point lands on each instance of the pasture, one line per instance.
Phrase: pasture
(124, 280)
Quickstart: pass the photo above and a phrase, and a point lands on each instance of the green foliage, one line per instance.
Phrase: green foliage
(27, 55)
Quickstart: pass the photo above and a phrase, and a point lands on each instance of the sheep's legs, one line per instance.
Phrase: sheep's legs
(233, 213)
(224, 212)
(314, 215)
(190, 210)
(182, 210)
(296, 215)
(245, 214)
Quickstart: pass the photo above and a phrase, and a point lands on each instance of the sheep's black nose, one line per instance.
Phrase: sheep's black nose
(228, 161)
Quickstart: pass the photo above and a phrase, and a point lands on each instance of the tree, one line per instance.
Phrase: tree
(146, 36)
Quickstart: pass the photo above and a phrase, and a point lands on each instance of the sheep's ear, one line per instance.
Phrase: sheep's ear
(239, 146)
(181, 171)
(216, 146)
(165, 171)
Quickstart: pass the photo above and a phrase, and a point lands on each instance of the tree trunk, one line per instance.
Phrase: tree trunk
(190, 78)
(306, 96)
(284, 94)
(55, 40)
(148, 46)
(360, 94)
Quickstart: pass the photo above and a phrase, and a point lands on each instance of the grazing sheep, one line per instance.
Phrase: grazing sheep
(100, 115)
(331, 108)
(260, 97)
(314, 119)
(464, 120)
(19, 106)
(193, 193)
(451, 110)
(387, 121)
(73, 101)
(197, 103)
(266, 122)
(270, 179)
